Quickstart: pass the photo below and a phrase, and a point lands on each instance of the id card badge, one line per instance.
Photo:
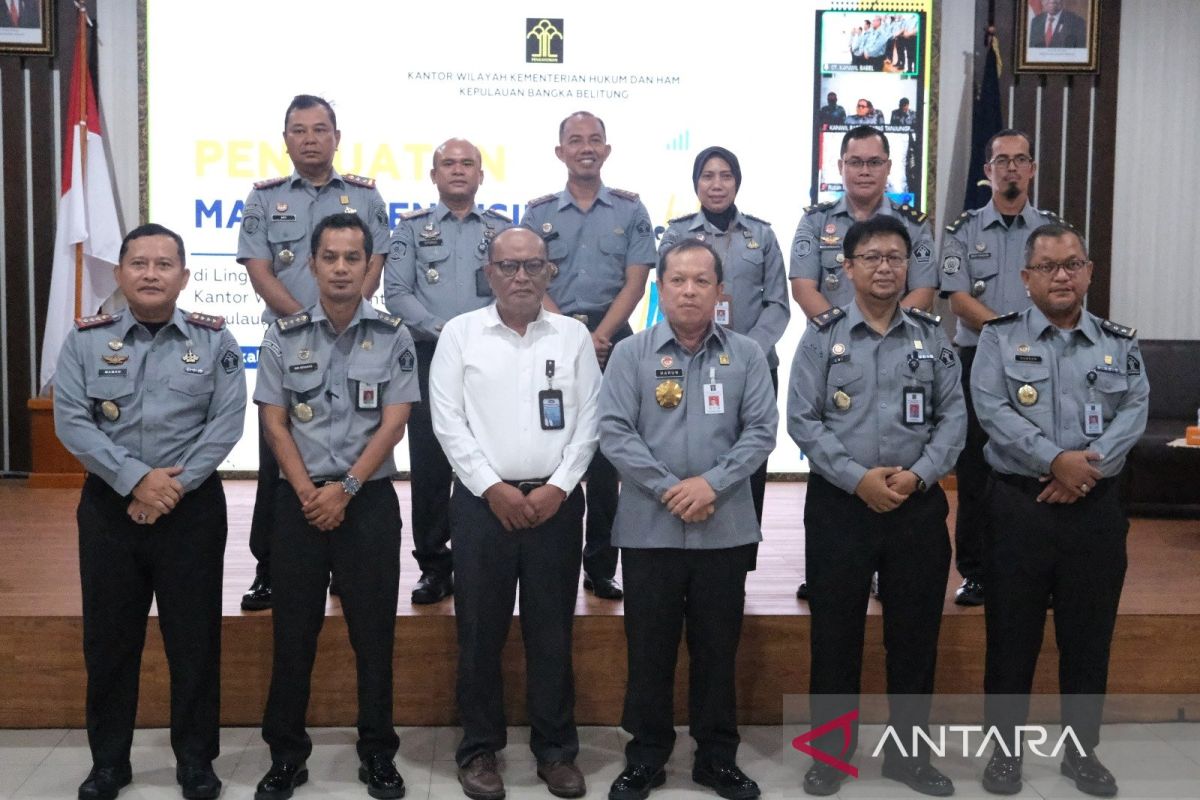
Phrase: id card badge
(1093, 419)
(482, 287)
(368, 395)
(722, 312)
(714, 398)
(914, 405)
(550, 406)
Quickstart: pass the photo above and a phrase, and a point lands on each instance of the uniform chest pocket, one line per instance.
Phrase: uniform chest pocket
(1110, 389)
(192, 385)
(110, 387)
(366, 384)
(982, 268)
(830, 257)
(843, 375)
(303, 384)
(284, 233)
(1029, 386)
(557, 250)
(613, 245)
(432, 255)
(923, 373)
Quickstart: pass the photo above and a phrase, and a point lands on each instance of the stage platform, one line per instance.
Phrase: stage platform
(1156, 647)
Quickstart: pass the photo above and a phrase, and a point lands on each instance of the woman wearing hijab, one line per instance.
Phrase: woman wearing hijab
(755, 298)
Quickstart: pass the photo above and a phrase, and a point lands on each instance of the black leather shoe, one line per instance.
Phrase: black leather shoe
(258, 596)
(1090, 776)
(822, 780)
(724, 776)
(379, 773)
(1002, 775)
(920, 777)
(969, 594)
(604, 588)
(802, 591)
(280, 780)
(103, 783)
(636, 781)
(198, 781)
(432, 589)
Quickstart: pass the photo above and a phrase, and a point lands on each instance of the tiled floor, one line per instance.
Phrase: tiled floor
(1149, 761)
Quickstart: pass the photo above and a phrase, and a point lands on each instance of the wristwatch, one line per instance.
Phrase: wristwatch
(921, 486)
(351, 484)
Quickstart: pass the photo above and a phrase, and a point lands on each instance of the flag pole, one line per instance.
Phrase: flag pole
(81, 53)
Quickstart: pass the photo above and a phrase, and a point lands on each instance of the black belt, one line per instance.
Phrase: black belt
(1036, 485)
(528, 486)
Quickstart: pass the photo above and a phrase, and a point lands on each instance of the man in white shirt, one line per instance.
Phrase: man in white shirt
(513, 393)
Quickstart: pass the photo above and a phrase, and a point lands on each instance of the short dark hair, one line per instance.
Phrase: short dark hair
(303, 101)
(491, 243)
(987, 149)
(877, 225)
(865, 132)
(152, 229)
(1052, 230)
(339, 222)
(682, 246)
(562, 126)
(903, 101)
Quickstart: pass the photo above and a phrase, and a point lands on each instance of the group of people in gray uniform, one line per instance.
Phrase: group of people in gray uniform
(507, 355)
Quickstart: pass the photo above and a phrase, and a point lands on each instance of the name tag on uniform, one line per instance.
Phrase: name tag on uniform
(1093, 419)
(914, 405)
(368, 395)
(550, 404)
(714, 398)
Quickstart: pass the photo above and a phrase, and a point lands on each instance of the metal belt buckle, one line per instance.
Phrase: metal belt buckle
(526, 487)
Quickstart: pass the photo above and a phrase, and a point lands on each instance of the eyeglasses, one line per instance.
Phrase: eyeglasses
(1052, 267)
(1003, 162)
(871, 164)
(873, 260)
(533, 267)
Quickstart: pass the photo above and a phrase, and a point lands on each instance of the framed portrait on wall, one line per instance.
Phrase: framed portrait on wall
(1057, 35)
(26, 27)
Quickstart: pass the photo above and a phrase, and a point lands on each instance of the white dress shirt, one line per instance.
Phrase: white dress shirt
(483, 394)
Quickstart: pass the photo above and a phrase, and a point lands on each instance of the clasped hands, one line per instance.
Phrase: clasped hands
(692, 499)
(517, 511)
(884, 489)
(156, 494)
(1071, 477)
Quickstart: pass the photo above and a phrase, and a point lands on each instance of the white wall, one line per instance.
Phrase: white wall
(1156, 219)
(116, 55)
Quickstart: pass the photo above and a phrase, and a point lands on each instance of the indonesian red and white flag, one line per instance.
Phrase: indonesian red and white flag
(87, 216)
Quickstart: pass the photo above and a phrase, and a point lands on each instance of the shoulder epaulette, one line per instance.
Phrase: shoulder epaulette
(493, 212)
(827, 318)
(626, 194)
(359, 180)
(828, 204)
(958, 223)
(206, 320)
(1118, 330)
(269, 182)
(294, 321)
(389, 319)
(537, 201)
(908, 211)
(922, 314)
(680, 218)
(416, 212)
(1048, 214)
(95, 321)
(759, 220)
(1009, 317)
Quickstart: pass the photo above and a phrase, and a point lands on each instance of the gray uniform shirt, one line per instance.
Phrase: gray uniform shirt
(302, 361)
(817, 248)
(653, 448)
(983, 257)
(754, 274)
(1101, 363)
(279, 218)
(592, 249)
(178, 397)
(434, 268)
(840, 354)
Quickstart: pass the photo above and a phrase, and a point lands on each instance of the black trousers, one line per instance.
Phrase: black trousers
(122, 567)
(363, 553)
(262, 521)
(602, 489)
(971, 472)
(1075, 553)
(664, 588)
(910, 548)
(491, 564)
(431, 476)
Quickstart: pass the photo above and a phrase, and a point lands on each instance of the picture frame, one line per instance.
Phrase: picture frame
(1074, 27)
(32, 32)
